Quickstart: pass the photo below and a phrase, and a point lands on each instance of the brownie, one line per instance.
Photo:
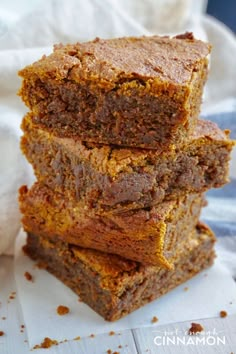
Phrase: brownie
(112, 177)
(113, 286)
(148, 235)
(141, 92)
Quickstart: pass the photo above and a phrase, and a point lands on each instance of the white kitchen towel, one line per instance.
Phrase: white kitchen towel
(28, 29)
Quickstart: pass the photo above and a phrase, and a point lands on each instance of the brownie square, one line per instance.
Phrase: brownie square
(140, 92)
(148, 235)
(113, 286)
(111, 177)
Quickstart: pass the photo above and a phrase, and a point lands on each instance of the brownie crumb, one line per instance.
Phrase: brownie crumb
(28, 276)
(22, 326)
(77, 338)
(195, 329)
(92, 335)
(12, 295)
(47, 343)
(4, 318)
(120, 346)
(111, 333)
(223, 314)
(109, 351)
(62, 310)
(1, 333)
(154, 319)
(186, 35)
(63, 341)
(186, 288)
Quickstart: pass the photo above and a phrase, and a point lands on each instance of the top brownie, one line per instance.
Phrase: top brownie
(143, 92)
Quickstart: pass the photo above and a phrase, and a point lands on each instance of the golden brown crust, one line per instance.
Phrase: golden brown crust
(164, 59)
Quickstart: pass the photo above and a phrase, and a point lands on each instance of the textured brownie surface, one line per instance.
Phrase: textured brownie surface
(112, 285)
(148, 235)
(143, 92)
(106, 177)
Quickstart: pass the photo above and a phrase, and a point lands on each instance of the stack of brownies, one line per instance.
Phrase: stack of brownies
(121, 161)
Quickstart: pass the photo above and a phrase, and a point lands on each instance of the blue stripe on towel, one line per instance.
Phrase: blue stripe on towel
(222, 228)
